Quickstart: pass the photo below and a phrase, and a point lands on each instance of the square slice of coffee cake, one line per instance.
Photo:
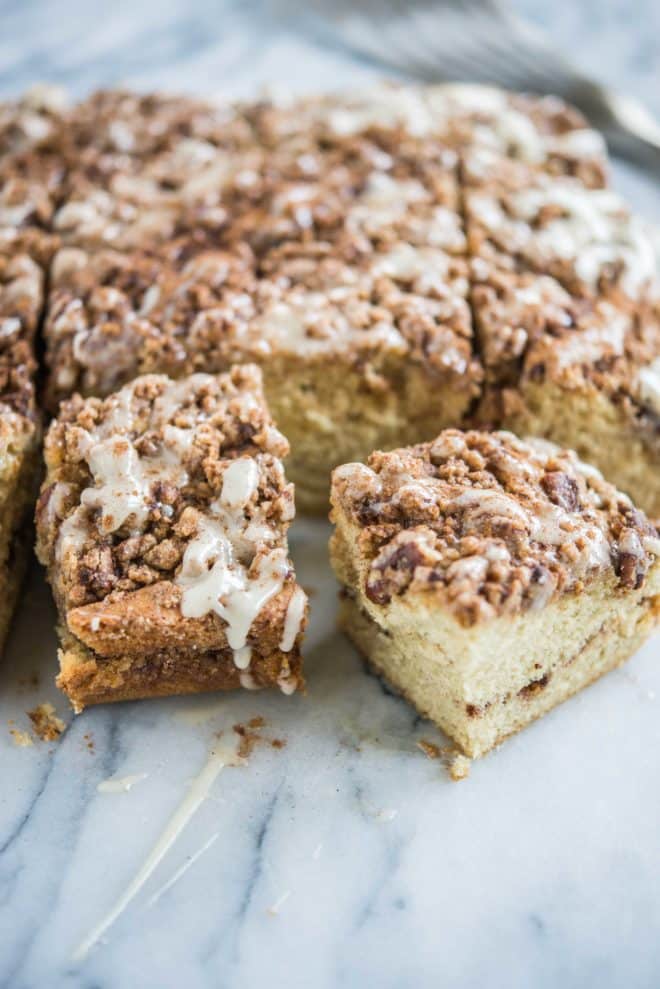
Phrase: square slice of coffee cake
(163, 524)
(489, 579)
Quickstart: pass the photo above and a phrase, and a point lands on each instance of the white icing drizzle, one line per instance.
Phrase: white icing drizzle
(385, 200)
(242, 658)
(213, 580)
(248, 682)
(120, 784)
(218, 573)
(121, 490)
(404, 261)
(288, 685)
(313, 322)
(124, 481)
(486, 502)
(181, 871)
(219, 757)
(239, 483)
(548, 524)
(381, 106)
(72, 534)
(295, 613)
(595, 230)
(590, 344)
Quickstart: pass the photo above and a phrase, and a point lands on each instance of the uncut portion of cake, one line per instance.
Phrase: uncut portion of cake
(564, 292)
(341, 271)
(322, 238)
(488, 579)
(163, 524)
(543, 132)
(23, 256)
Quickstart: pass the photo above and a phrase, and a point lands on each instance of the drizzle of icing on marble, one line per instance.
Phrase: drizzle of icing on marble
(198, 791)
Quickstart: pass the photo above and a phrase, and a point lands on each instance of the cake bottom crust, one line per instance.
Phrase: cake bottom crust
(88, 679)
(477, 731)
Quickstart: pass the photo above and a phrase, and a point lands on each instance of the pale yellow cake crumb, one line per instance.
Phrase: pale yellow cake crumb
(459, 767)
(46, 723)
(21, 738)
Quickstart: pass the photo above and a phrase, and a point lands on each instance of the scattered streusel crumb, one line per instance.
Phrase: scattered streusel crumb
(456, 764)
(459, 767)
(249, 736)
(21, 738)
(46, 723)
(278, 743)
(430, 749)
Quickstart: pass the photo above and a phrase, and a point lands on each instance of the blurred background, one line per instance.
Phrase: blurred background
(236, 46)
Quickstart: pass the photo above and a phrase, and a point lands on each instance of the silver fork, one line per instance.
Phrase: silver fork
(483, 41)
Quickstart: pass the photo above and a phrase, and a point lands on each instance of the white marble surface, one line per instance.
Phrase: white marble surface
(346, 858)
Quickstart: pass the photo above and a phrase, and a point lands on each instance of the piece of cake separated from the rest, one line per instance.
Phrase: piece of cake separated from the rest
(163, 524)
(23, 256)
(489, 578)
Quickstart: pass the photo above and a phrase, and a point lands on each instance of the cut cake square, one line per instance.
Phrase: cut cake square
(162, 522)
(488, 579)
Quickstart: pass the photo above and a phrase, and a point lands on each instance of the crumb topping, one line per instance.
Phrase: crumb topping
(375, 226)
(178, 483)
(45, 722)
(541, 132)
(586, 238)
(355, 250)
(489, 524)
(531, 329)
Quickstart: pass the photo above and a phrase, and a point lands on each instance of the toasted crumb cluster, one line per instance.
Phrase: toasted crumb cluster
(585, 238)
(45, 722)
(32, 119)
(489, 524)
(170, 498)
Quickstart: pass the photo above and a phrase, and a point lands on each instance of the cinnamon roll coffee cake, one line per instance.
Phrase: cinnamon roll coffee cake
(488, 579)
(162, 522)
